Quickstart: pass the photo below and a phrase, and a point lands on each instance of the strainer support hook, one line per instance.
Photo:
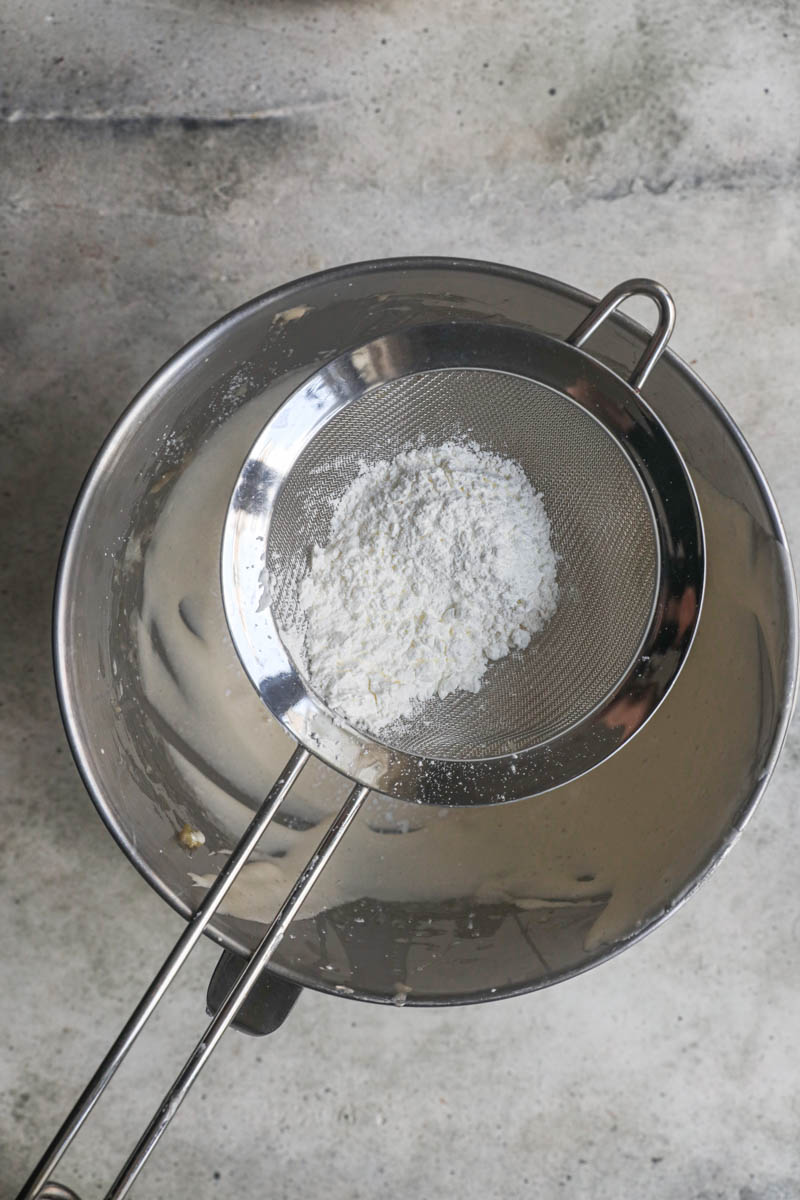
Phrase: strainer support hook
(611, 301)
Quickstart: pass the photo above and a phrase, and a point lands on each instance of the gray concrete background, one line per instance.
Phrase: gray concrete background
(161, 163)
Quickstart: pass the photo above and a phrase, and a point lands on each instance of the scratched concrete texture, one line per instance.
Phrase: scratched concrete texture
(163, 162)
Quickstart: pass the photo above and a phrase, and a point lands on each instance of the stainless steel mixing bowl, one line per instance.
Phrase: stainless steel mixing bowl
(635, 835)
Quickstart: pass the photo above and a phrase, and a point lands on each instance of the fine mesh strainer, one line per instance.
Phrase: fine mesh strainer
(602, 529)
(625, 524)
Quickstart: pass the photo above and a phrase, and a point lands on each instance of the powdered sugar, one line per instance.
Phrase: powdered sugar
(438, 562)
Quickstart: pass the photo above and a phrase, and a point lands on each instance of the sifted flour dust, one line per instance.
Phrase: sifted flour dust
(438, 562)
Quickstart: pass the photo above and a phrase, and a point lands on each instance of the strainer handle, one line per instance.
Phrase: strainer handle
(238, 994)
(611, 301)
(39, 1185)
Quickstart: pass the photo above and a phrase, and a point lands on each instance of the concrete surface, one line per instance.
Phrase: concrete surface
(162, 162)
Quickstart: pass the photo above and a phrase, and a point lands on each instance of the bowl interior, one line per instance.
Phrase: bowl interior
(435, 905)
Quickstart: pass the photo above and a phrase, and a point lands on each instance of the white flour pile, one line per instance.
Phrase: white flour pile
(437, 563)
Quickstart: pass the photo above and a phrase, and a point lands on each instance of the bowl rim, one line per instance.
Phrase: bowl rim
(172, 369)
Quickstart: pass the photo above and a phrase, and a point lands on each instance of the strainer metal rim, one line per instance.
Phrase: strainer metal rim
(596, 736)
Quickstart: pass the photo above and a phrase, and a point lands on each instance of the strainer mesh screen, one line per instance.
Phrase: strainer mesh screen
(602, 529)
